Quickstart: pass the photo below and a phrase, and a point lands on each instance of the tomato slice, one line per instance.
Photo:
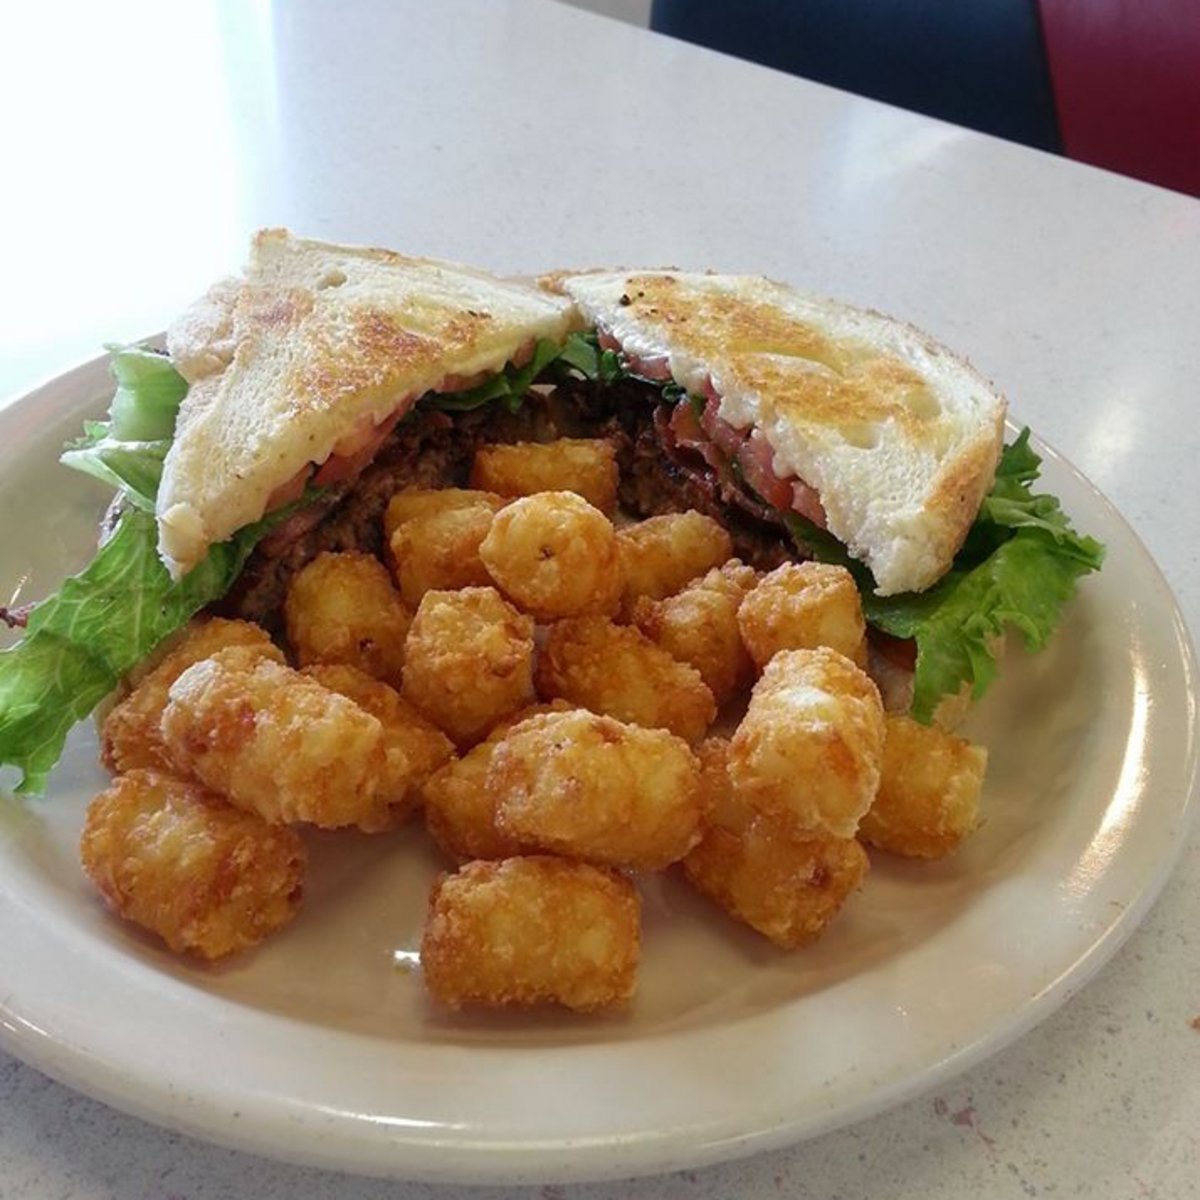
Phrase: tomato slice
(807, 503)
(756, 458)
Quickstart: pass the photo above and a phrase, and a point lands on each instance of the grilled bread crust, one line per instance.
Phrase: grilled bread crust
(306, 355)
(899, 437)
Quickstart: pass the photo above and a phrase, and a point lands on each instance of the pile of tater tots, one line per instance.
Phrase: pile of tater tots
(542, 686)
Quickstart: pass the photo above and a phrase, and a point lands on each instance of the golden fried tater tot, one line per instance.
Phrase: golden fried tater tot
(342, 608)
(468, 661)
(590, 787)
(585, 466)
(414, 747)
(440, 551)
(699, 626)
(528, 931)
(176, 859)
(929, 787)
(800, 606)
(275, 742)
(810, 744)
(661, 554)
(460, 813)
(617, 670)
(424, 502)
(554, 555)
(785, 884)
(130, 734)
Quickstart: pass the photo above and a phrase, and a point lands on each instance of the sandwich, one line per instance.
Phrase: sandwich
(298, 372)
(292, 402)
(858, 423)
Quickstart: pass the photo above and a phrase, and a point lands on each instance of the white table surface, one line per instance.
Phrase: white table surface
(144, 142)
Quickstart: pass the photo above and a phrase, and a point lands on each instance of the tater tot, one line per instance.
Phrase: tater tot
(275, 742)
(468, 661)
(414, 747)
(800, 606)
(129, 736)
(460, 813)
(529, 931)
(423, 502)
(661, 554)
(810, 744)
(782, 882)
(178, 860)
(785, 884)
(585, 466)
(591, 787)
(440, 551)
(617, 670)
(554, 555)
(699, 626)
(342, 608)
(929, 787)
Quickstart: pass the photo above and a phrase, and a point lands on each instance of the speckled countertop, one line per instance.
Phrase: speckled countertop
(525, 134)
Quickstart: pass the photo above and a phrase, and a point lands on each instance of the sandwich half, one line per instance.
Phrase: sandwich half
(299, 370)
(858, 423)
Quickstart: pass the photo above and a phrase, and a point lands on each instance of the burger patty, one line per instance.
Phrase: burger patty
(434, 449)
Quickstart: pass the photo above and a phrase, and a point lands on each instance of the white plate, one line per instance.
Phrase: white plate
(321, 1047)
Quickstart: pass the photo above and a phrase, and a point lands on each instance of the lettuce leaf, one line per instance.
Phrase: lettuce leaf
(149, 391)
(127, 450)
(1018, 569)
(80, 642)
(133, 468)
(581, 353)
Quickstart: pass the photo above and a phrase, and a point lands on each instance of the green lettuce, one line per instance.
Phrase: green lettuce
(1017, 569)
(127, 450)
(581, 353)
(81, 641)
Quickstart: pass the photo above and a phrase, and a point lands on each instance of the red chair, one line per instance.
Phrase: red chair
(1126, 76)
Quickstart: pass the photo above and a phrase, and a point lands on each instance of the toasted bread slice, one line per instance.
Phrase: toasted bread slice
(899, 437)
(311, 354)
